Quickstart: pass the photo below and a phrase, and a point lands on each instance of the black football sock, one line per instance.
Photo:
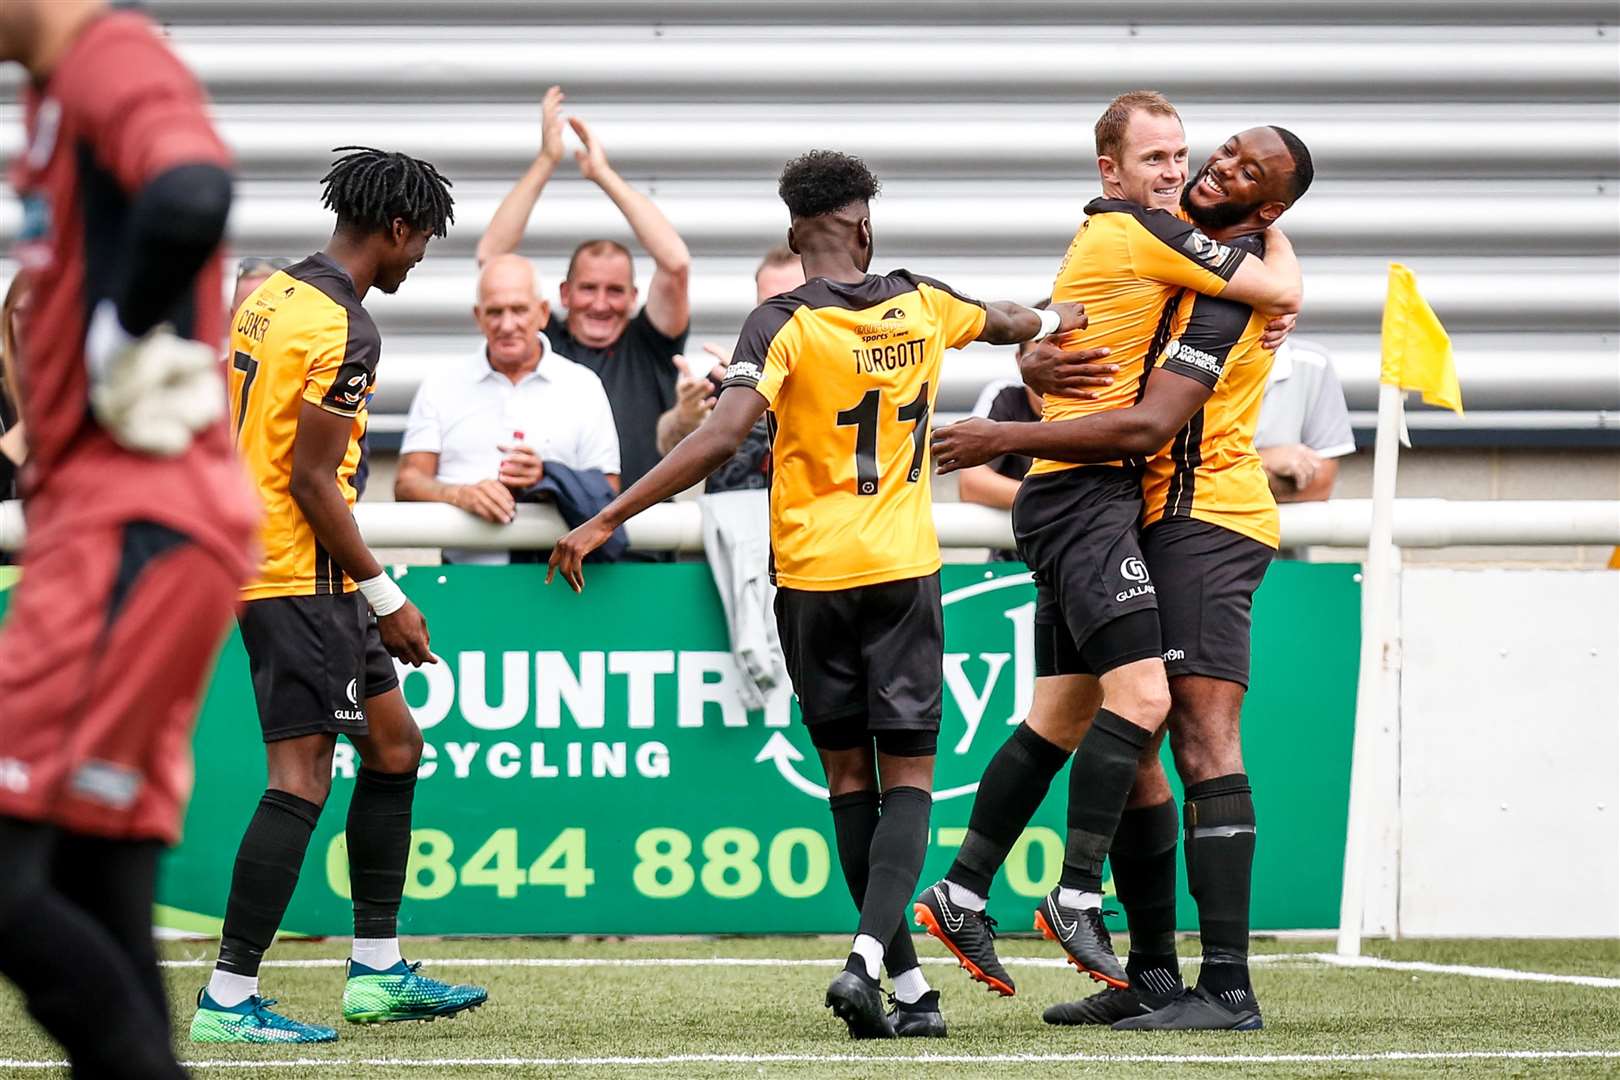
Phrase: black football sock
(48, 944)
(1220, 860)
(379, 835)
(899, 844)
(1014, 783)
(855, 819)
(266, 872)
(1099, 783)
(1143, 857)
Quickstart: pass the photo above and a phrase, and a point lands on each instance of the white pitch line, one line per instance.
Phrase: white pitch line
(1468, 970)
(914, 1059)
(1329, 959)
(686, 961)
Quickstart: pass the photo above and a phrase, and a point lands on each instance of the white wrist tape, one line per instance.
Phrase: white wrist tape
(382, 594)
(1049, 323)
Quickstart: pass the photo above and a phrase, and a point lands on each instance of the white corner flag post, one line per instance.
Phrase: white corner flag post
(1378, 647)
(1416, 356)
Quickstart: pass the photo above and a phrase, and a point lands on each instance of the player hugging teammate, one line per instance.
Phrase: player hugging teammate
(1137, 626)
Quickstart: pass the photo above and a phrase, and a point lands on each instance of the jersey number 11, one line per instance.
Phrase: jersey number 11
(864, 418)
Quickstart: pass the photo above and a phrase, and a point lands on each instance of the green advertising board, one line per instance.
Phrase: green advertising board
(589, 768)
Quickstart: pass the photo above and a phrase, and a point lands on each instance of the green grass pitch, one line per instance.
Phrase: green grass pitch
(555, 1018)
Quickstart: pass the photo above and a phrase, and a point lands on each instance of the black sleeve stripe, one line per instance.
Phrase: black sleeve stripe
(1189, 241)
(1213, 329)
(935, 283)
(747, 365)
(353, 380)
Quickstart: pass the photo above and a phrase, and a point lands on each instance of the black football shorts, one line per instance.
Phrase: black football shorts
(1077, 530)
(314, 660)
(875, 651)
(1207, 576)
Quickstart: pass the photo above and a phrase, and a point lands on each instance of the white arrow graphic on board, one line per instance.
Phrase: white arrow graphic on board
(777, 748)
(785, 754)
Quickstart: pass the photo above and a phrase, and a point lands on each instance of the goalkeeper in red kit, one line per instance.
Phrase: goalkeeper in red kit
(140, 522)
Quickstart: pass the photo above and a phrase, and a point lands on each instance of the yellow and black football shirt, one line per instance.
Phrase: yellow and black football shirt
(301, 336)
(851, 372)
(1211, 471)
(1124, 265)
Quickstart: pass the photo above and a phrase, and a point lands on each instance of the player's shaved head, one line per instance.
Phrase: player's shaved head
(827, 196)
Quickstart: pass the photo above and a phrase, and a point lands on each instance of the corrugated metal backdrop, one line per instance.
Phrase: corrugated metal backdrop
(1477, 141)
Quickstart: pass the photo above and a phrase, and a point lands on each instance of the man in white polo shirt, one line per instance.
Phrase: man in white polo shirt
(483, 430)
(1304, 424)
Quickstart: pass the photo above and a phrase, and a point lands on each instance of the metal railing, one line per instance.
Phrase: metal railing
(1419, 523)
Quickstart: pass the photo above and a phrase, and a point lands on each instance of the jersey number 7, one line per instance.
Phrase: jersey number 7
(864, 418)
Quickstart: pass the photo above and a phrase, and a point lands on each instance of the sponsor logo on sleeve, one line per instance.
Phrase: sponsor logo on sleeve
(1206, 250)
(1191, 357)
(744, 369)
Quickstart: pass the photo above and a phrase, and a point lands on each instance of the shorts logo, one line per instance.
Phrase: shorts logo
(1206, 250)
(1134, 569)
(13, 775)
(106, 783)
(1174, 654)
(349, 690)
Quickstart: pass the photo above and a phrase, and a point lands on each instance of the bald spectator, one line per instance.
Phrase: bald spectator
(632, 351)
(1304, 424)
(483, 433)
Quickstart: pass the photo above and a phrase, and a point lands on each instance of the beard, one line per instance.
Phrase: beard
(1220, 216)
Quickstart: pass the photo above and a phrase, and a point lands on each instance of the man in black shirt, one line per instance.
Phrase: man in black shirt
(631, 351)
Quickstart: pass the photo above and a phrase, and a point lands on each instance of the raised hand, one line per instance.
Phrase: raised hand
(593, 162)
(551, 129)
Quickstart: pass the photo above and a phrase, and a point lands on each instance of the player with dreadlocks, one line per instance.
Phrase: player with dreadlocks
(321, 618)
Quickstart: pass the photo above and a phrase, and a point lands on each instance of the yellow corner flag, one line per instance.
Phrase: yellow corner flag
(1417, 352)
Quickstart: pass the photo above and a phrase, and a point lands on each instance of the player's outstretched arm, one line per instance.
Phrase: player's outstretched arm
(505, 231)
(697, 455)
(318, 449)
(1273, 286)
(1008, 323)
(1141, 429)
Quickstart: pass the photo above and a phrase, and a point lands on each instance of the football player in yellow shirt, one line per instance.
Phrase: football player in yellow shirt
(847, 367)
(1210, 533)
(1097, 633)
(321, 619)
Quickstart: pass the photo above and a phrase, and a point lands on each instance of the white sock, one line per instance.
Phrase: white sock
(964, 898)
(378, 954)
(870, 949)
(228, 989)
(1074, 898)
(910, 986)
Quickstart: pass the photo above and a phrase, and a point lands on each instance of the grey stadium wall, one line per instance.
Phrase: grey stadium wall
(1477, 141)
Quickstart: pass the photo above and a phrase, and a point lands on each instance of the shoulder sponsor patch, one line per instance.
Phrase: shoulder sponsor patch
(744, 369)
(1206, 250)
(1186, 354)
